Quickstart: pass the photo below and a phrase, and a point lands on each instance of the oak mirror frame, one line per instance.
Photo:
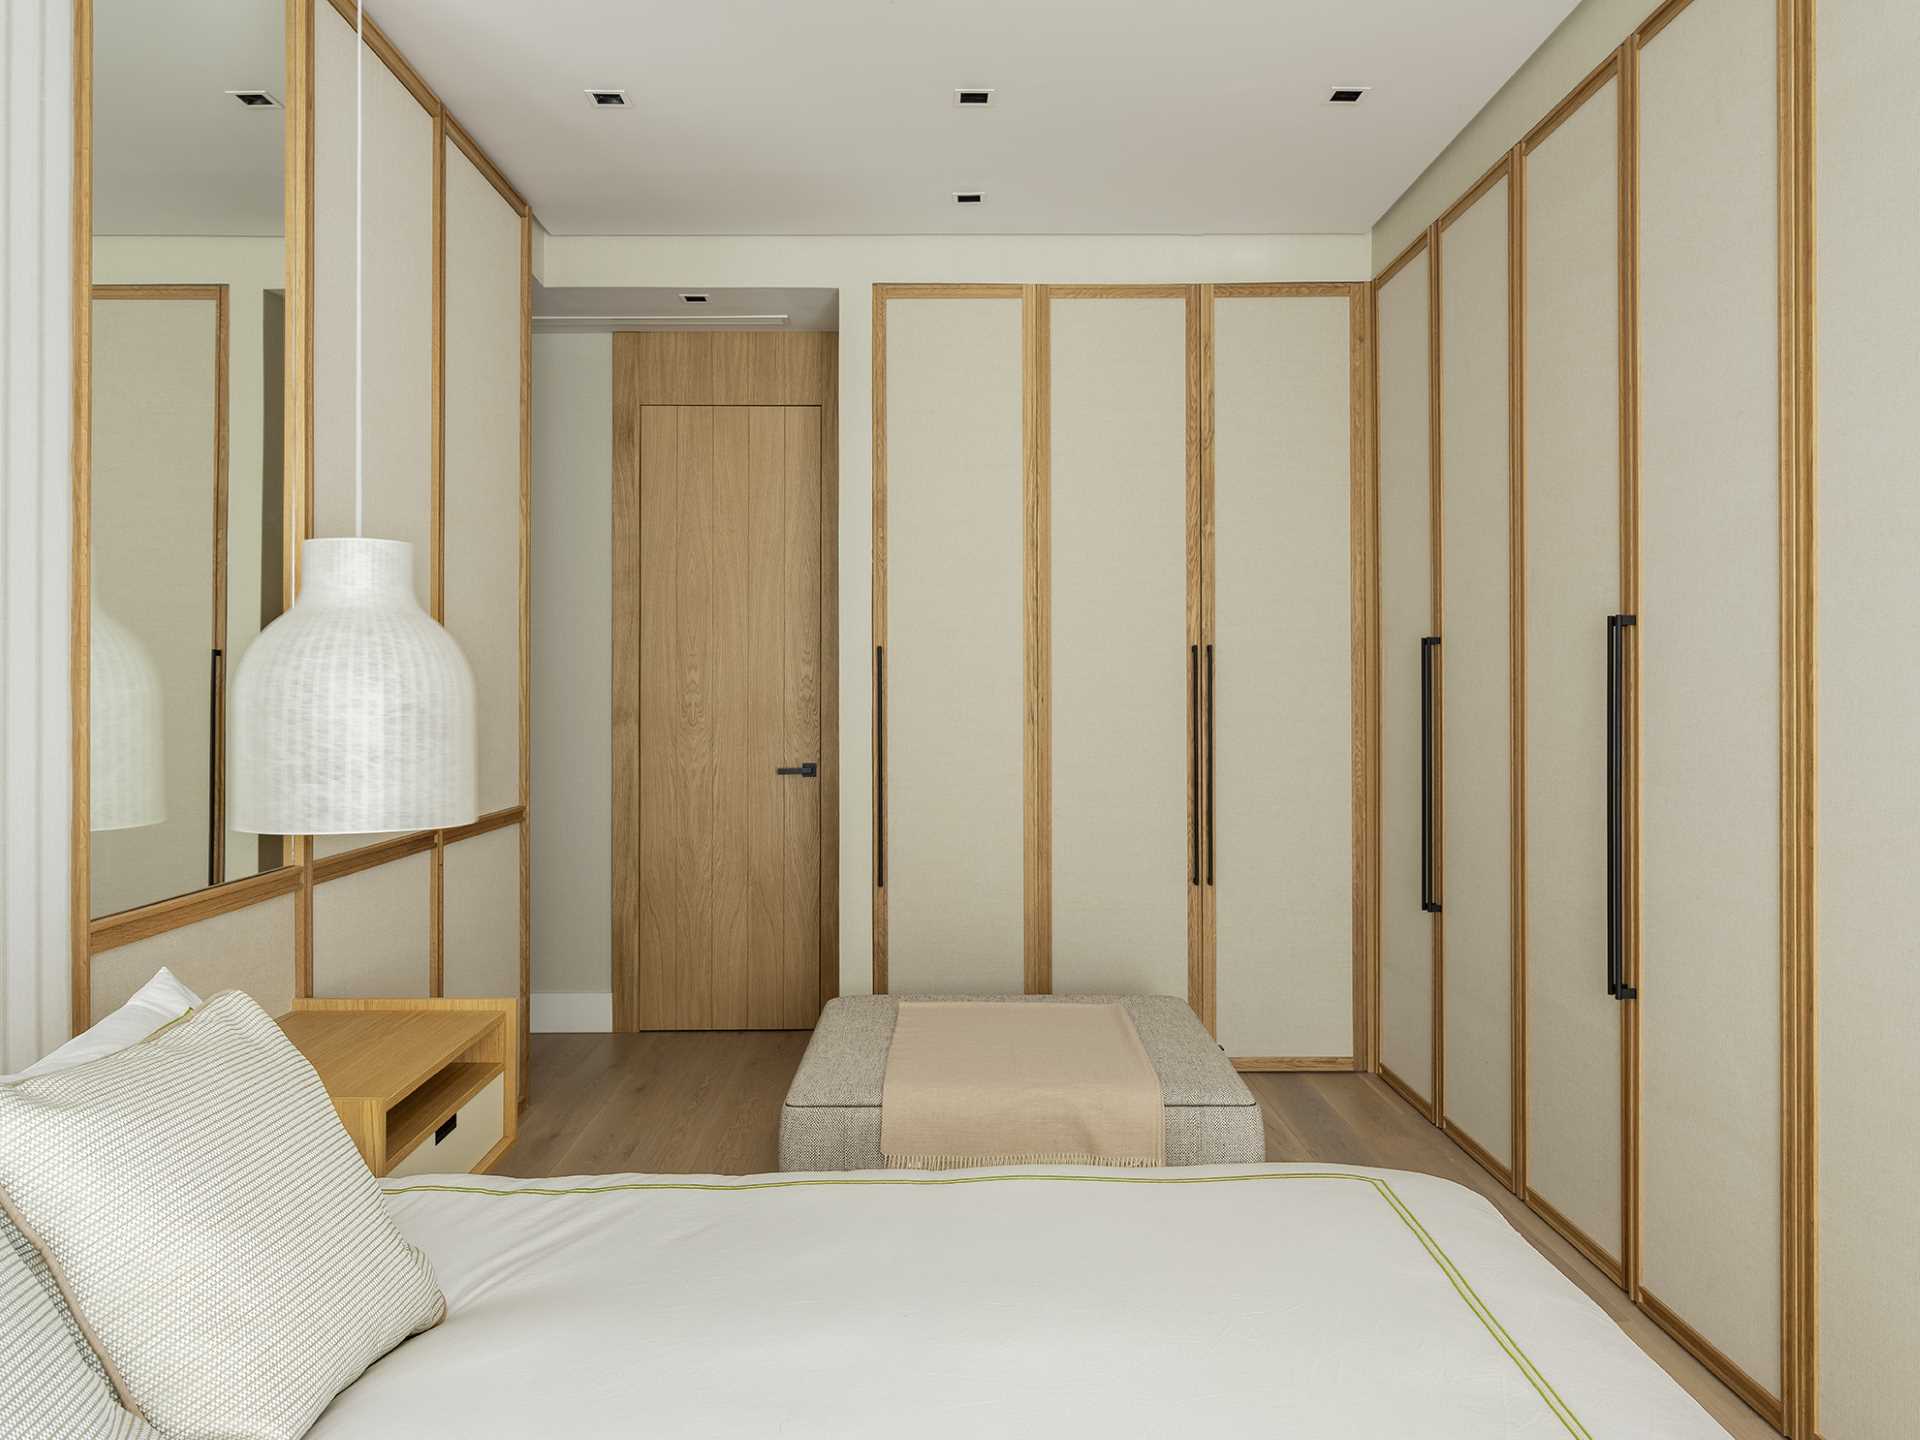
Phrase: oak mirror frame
(191, 319)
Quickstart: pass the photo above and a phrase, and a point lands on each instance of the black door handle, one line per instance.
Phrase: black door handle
(810, 770)
(1617, 985)
(1429, 896)
(1193, 759)
(1211, 847)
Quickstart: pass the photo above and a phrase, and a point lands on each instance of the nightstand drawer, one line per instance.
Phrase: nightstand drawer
(476, 1129)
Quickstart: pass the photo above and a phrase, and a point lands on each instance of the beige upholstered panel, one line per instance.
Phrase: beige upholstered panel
(480, 893)
(483, 464)
(370, 930)
(955, 683)
(1120, 861)
(1709, 635)
(154, 396)
(398, 384)
(1573, 583)
(1283, 718)
(1477, 758)
(250, 950)
(1869, 534)
(1406, 614)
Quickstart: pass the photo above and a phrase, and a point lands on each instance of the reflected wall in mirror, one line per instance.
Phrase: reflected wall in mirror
(186, 374)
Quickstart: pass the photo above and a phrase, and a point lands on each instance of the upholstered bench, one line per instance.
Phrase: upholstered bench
(831, 1118)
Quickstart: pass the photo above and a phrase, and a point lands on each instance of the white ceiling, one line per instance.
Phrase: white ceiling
(590, 308)
(173, 153)
(837, 116)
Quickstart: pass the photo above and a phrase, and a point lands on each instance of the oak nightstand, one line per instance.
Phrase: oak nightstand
(424, 1086)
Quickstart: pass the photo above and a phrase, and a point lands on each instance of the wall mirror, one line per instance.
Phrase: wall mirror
(185, 366)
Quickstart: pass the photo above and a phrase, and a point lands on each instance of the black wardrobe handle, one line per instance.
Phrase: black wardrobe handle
(1429, 897)
(216, 719)
(1210, 844)
(1193, 761)
(880, 767)
(1617, 986)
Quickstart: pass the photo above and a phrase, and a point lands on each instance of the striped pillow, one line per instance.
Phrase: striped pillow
(47, 1390)
(215, 1226)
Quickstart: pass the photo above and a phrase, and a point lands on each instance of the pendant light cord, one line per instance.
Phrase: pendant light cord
(359, 267)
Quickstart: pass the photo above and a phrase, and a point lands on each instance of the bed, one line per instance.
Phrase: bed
(1271, 1299)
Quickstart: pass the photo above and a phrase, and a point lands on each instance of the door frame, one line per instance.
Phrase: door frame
(728, 367)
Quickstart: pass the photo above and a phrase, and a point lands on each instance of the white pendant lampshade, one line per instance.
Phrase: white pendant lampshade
(126, 777)
(353, 712)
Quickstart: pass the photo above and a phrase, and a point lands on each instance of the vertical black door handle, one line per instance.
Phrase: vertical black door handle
(1210, 841)
(880, 767)
(215, 721)
(1429, 891)
(1617, 986)
(1193, 762)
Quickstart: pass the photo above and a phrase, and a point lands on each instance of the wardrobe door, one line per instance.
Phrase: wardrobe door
(1868, 170)
(1278, 676)
(1709, 645)
(1575, 1127)
(1408, 670)
(1125, 561)
(953, 668)
(1476, 713)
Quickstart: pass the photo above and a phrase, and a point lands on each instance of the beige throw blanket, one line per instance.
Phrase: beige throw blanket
(1009, 1083)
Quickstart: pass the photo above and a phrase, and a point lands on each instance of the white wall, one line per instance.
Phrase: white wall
(853, 265)
(572, 822)
(1580, 43)
(36, 145)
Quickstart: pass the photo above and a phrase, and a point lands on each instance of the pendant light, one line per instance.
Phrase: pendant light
(126, 737)
(353, 712)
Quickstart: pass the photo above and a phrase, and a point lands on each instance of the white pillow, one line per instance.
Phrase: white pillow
(213, 1224)
(160, 1001)
(47, 1390)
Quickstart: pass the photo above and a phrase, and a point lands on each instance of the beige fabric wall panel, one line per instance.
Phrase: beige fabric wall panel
(483, 464)
(1709, 635)
(572, 663)
(955, 692)
(1283, 718)
(250, 950)
(370, 930)
(1406, 614)
(398, 385)
(1869, 646)
(480, 886)
(1119, 529)
(1572, 389)
(154, 394)
(1477, 759)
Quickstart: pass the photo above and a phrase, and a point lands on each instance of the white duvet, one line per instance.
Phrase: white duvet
(1270, 1300)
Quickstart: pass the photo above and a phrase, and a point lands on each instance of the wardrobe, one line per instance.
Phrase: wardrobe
(1120, 650)
(1591, 747)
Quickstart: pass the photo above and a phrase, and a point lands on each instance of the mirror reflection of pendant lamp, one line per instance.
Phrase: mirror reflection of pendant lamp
(126, 740)
(354, 711)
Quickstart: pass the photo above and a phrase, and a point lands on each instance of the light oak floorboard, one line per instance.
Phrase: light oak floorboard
(695, 1102)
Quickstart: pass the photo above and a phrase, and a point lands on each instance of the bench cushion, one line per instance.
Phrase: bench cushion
(831, 1118)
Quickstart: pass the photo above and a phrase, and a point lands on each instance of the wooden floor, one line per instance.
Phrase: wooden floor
(709, 1103)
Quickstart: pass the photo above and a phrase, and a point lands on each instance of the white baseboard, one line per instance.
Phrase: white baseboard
(565, 1012)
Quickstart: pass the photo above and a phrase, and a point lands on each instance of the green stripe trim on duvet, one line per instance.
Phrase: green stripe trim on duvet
(1541, 1385)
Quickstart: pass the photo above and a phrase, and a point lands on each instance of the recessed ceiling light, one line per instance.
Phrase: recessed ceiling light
(607, 99)
(973, 96)
(1347, 94)
(255, 99)
(694, 298)
(969, 197)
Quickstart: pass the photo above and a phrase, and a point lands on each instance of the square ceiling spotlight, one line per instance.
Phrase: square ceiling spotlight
(1347, 94)
(255, 99)
(607, 99)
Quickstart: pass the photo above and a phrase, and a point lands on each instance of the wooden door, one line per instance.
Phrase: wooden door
(1578, 1125)
(1277, 666)
(729, 699)
(1476, 763)
(1409, 669)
